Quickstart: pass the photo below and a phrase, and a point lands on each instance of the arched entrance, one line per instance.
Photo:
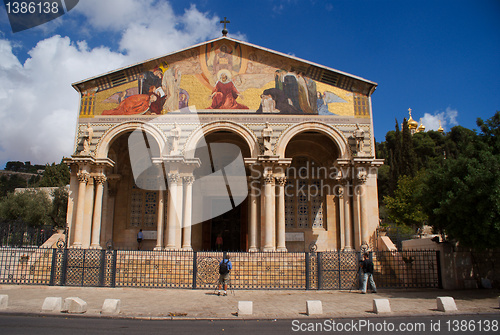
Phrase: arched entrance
(225, 210)
(311, 202)
(132, 199)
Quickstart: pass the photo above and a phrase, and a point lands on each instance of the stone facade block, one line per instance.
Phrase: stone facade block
(446, 304)
(111, 306)
(314, 307)
(4, 301)
(74, 305)
(245, 308)
(381, 306)
(52, 304)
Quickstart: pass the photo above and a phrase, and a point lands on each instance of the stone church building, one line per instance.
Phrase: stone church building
(224, 145)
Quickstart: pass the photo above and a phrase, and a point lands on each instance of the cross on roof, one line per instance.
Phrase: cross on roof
(224, 31)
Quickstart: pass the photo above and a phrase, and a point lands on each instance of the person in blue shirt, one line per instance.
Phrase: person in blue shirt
(140, 236)
(225, 268)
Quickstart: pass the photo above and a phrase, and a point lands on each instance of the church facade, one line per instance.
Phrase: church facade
(224, 146)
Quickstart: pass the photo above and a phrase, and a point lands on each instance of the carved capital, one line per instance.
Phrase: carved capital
(100, 179)
(268, 179)
(173, 178)
(281, 181)
(341, 192)
(188, 180)
(361, 176)
(83, 177)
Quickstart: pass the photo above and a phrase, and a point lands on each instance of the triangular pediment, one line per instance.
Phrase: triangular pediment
(226, 74)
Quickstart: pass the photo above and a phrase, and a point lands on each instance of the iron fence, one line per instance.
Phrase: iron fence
(21, 234)
(199, 270)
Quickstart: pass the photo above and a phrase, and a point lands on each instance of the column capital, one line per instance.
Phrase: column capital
(188, 180)
(268, 179)
(281, 181)
(361, 176)
(100, 179)
(83, 177)
(173, 178)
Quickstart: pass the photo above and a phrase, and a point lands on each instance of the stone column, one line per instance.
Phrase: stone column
(188, 209)
(347, 217)
(170, 238)
(72, 198)
(83, 178)
(96, 224)
(252, 203)
(341, 216)
(269, 213)
(160, 224)
(363, 208)
(179, 212)
(281, 242)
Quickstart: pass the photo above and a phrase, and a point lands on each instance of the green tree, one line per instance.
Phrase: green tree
(490, 131)
(408, 164)
(404, 208)
(9, 184)
(32, 207)
(55, 175)
(59, 207)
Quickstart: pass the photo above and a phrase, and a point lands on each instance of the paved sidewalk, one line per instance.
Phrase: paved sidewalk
(267, 304)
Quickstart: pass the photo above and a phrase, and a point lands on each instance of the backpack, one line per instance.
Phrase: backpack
(224, 267)
(368, 267)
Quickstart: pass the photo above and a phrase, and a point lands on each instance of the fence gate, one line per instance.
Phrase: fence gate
(335, 270)
(84, 267)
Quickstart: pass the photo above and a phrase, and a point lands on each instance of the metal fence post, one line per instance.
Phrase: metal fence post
(438, 261)
(64, 263)
(308, 280)
(320, 277)
(101, 270)
(195, 269)
(113, 271)
(53, 267)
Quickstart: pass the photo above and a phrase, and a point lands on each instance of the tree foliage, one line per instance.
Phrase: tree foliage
(457, 187)
(30, 206)
(403, 208)
(55, 175)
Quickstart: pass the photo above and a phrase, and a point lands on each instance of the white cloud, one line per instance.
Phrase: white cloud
(38, 106)
(448, 119)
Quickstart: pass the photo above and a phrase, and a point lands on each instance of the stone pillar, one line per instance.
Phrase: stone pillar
(179, 212)
(160, 224)
(72, 198)
(269, 213)
(96, 224)
(281, 242)
(83, 178)
(252, 203)
(170, 238)
(88, 213)
(347, 218)
(341, 216)
(188, 209)
(363, 209)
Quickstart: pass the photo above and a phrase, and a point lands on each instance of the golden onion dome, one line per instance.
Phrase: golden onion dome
(412, 124)
(421, 127)
(440, 129)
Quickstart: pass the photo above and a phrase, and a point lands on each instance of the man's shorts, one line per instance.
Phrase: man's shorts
(223, 278)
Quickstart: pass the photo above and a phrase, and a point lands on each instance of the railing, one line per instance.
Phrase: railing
(199, 270)
(21, 234)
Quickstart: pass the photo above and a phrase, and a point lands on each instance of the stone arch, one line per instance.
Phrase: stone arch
(198, 134)
(336, 136)
(111, 134)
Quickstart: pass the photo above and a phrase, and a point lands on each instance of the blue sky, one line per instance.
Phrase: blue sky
(440, 58)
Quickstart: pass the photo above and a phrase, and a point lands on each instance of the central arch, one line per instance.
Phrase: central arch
(319, 127)
(198, 134)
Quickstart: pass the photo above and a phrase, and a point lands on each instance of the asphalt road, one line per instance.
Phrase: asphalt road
(446, 324)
